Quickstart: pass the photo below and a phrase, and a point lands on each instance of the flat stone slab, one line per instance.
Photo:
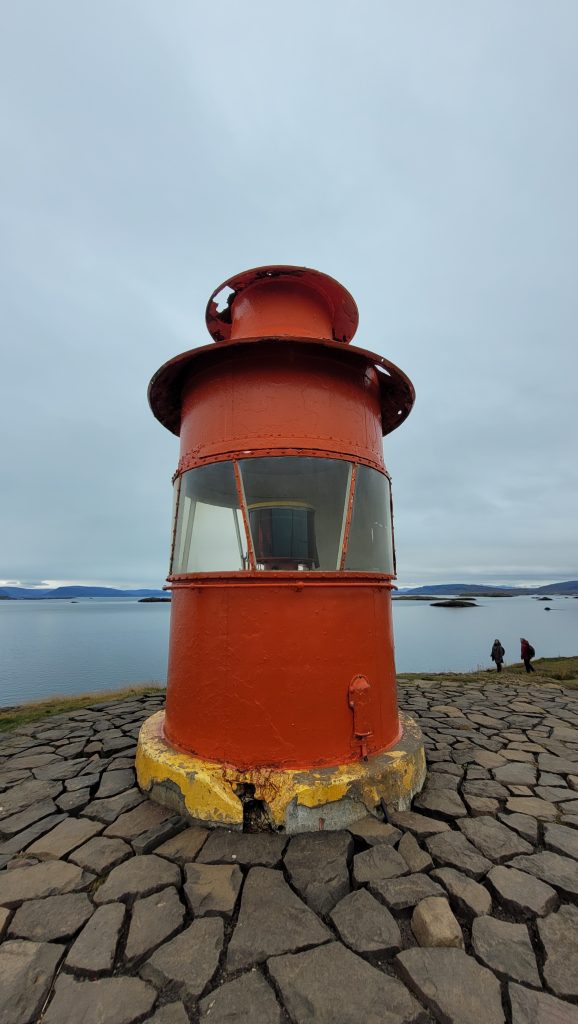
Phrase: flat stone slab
(154, 919)
(138, 820)
(419, 824)
(559, 937)
(109, 810)
(114, 782)
(516, 774)
(272, 920)
(248, 998)
(26, 970)
(318, 867)
(523, 824)
(544, 810)
(189, 961)
(441, 781)
(56, 917)
(444, 767)
(73, 801)
(521, 893)
(65, 837)
(556, 794)
(81, 782)
(94, 950)
(212, 888)
(401, 893)
(373, 831)
(114, 1000)
(377, 864)
(61, 771)
(561, 840)
(486, 788)
(21, 840)
(506, 948)
(331, 984)
(530, 1007)
(441, 801)
(365, 925)
(101, 854)
(432, 974)
(185, 846)
(28, 816)
(552, 868)
(139, 876)
(223, 847)
(24, 795)
(454, 850)
(471, 898)
(40, 880)
(494, 839)
(415, 857)
(484, 805)
(558, 765)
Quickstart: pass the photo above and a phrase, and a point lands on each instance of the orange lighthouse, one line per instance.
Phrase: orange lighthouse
(281, 684)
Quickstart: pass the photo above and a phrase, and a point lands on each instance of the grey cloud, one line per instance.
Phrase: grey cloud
(425, 156)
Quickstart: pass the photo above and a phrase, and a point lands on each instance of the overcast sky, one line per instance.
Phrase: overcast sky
(425, 154)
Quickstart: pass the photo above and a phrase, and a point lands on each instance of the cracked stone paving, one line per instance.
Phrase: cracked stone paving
(462, 910)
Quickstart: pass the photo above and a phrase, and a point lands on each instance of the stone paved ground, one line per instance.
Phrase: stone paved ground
(462, 910)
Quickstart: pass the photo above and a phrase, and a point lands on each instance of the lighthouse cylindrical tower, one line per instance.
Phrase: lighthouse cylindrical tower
(281, 690)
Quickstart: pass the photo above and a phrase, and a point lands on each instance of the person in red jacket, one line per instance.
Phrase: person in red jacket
(527, 652)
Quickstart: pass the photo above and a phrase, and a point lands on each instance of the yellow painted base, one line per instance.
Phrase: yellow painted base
(294, 800)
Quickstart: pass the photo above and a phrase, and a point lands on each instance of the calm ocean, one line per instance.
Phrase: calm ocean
(59, 647)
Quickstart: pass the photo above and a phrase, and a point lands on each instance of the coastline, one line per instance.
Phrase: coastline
(549, 672)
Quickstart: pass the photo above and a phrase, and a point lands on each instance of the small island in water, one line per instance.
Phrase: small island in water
(455, 602)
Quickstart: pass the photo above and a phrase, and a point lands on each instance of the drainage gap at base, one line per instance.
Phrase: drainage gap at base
(255, 816)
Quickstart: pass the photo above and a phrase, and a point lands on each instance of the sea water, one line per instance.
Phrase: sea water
(50, 648)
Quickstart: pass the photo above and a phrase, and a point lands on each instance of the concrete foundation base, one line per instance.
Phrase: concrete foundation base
(292, 800)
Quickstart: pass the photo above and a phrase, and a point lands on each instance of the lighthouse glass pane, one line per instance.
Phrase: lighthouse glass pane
(295, 508)
(370, 546)
(209, 535)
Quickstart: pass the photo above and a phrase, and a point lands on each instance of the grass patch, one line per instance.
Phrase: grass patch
(11, 718)
(547, 671)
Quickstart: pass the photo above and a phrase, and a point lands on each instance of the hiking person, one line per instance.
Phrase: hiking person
(497, 654)
(527, 652)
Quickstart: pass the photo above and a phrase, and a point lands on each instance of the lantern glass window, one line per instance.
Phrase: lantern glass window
(209, 533)
(296, 511)
(370, 544)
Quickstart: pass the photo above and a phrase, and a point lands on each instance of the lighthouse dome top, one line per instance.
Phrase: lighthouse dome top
(282, 300)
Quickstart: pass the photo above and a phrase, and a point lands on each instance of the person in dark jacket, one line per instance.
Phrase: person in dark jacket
(497, 654)
(527, 652)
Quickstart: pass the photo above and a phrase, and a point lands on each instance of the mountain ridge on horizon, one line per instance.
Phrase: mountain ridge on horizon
(568, 587)
(65, 593)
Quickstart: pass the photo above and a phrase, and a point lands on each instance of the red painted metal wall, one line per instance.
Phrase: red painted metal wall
(261, 664)
(281, 396)
(259, 671)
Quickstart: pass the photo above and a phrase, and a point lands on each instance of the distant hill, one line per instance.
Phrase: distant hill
(471, 589)
(481, 590)
(66, 593)
(570, 587)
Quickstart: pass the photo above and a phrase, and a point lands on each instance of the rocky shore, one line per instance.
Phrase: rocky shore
(462, 910)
